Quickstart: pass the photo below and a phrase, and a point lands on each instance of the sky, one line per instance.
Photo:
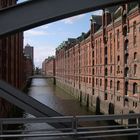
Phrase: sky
(45, 39)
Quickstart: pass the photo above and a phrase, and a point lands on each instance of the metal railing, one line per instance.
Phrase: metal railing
(80, 127)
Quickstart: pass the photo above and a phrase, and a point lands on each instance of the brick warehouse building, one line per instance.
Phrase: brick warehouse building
(11, 60)
(101, 68)
(48, 66)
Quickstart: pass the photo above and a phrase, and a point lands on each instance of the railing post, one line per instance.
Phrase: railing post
(138, 125)
(139, 135)
(74, 127)
(1, 129)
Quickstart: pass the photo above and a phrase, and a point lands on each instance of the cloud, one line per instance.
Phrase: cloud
(35, 33)
(40, 31)
(72, 20)
(40, 53)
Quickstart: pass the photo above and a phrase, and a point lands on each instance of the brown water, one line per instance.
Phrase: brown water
(58, 100)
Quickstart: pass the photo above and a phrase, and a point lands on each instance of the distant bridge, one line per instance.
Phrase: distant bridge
(41, 77)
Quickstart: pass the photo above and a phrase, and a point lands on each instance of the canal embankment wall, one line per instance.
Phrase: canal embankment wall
(94, 102)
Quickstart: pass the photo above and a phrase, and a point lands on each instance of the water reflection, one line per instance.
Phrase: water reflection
(56, 98)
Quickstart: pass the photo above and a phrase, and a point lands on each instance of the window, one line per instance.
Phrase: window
(93, 71)
(134, 27)
(111, 84)
(105, 50)
(126, 88)
(135, 70)
(126, 71)
(106, 72)
(93, 54)
(135, 55)
(111, 70)
(126, 58)
(126, 45)
(118, 85)
(105, 61)
(100, 82)
(105, 96)
(105, 84)
(134, 104)
(118, 69)
(118, 37)
(118, 58)
(135, 88)
(125, 30)
(89, 80)
(118, 45)
(134, 40)
(93, 62)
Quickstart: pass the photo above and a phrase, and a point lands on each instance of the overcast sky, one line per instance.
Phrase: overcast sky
(46, 38)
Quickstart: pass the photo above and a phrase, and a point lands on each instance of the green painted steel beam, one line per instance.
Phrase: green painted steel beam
(34, 13)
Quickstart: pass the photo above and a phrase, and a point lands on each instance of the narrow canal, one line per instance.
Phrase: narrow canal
(57, 99)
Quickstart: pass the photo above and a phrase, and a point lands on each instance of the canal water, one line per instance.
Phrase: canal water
(57, 99)
(44, 91)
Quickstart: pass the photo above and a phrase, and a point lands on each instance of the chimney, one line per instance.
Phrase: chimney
(107, 17)
(94, 25)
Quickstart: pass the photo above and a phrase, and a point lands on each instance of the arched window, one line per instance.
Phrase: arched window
(135, 55)
(118, 85)
(135, 88)
(135, 70)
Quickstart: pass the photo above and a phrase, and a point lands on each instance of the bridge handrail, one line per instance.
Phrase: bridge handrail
(75, 129)
(69, 118)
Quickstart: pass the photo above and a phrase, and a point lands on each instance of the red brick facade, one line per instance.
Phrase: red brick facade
(101, 68)
(11, 60)
(48, 66)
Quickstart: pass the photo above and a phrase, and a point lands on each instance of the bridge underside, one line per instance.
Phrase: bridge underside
(34, 13)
